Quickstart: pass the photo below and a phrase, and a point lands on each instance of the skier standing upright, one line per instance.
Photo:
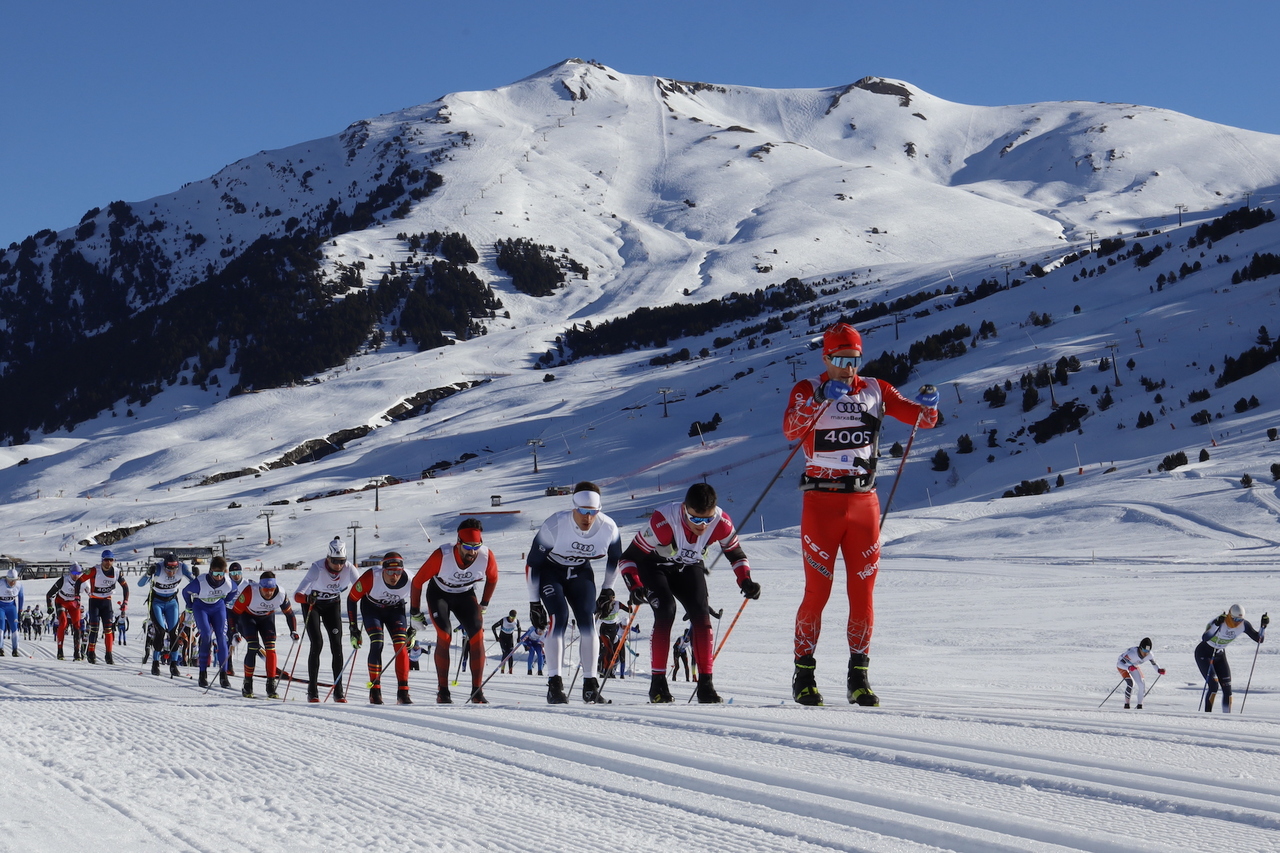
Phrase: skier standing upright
(12, 600)
(166, 581)
(1211, 653)
(1130, 666)
(320, 595)
(505, 631)
(102, 581)
(561, 579)
(450, 576)
(206, 598)
(382, 595)
(65, 596)
(838, 415)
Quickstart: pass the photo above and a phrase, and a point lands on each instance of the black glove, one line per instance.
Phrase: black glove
(1222, 618)
(537, 615)
(602, 601)
(50, 611)
(1265, 620)
(750, 589)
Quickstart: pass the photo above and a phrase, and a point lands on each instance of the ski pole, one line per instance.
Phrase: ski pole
(1112, 693)
(1159, 676)
(338, 679)
(924, 389)
(1205, 693)
(462, 651)
(501, 664)
(306, 629)
(613, 659)
(727, 632)
(1257, 648)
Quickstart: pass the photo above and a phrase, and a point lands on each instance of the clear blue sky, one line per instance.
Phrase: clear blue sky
(131, 99)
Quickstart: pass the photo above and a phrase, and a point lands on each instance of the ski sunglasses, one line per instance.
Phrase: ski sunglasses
(845, 361)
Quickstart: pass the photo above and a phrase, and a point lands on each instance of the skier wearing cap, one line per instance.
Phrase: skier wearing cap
(1129, 664)
(666, 563)
(1211, 654)
(450, 576)
(65, 596)
(561, 578)
(255, 612)
(838, 416)
(381, 595)
(505, 631)
(235, 573)
(12, 600)
(320, 595)
(206, 599)
(166, 580)
(533, 640)
(102, 581)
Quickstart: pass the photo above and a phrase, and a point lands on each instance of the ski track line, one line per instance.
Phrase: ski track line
(1046, 771)
(834, 805)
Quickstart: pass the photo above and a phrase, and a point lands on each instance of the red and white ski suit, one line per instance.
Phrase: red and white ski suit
(841, 509)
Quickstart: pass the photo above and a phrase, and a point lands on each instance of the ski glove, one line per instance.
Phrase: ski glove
(631, 577)
(1160, 671)
(293, 635)
(750, 589)
(50, 611)
(830, 390)
(537, 615)
(1221, 618)
(1132, 668)
(357, 640)
(1264, 621)
(928, 397)
(606, 595)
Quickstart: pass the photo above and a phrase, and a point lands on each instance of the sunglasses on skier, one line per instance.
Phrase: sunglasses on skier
(845, 361)
(701, 519)
(582, 510)
(470, 546)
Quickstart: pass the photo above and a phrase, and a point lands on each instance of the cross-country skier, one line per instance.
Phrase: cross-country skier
(450, 576)
(12, 600)
(505, 631)
(1211, 654)
(206, 599)
(65, 596)
(561, 579)
(102, 581)
(320, 593)
(666, 563)
(838, 415)
(235, 573)
(534, 640)
(381, 596)
(166, 580)
(1129, 664)
(680, 653)
(255, 611)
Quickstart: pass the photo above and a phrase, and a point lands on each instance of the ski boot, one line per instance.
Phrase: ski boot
(402, 696)
(313, 692)
(204, 678)
(659, 693)
(224, 680)
(804, 687)
(1139, 706)
(174, 672)
(555, 691)
(591, 692)
(247, 690)
(860, 692)
(375, 695)
(338, 694)
(271, 688)
(61, 656)
(108, 659)
(443, 697)
(77, 655)
(707, 694)
(91, 655)
(1126, 706)
(155, 667)
(539, 670)
(231, 670)
(477, 698)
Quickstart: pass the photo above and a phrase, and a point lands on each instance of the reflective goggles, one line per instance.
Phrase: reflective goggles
(582, 510)
(700, 519)
(470, 546)
(844, 362)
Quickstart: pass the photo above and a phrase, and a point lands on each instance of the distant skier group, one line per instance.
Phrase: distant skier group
(836, 417)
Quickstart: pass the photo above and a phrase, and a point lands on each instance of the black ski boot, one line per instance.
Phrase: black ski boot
(107, 658)
(804, 687)
(555, 691)
(477, 698)
(174, 672)
(402, 696)
(313, 692)
(860, 692)
(204, 678)
(155, 667)
(659, 693)
(271, 689)
(707, 694)
(224, 680)
(247, 690)
(375, 696)
(443, 697)
(1139, 706)
(61, 656)
(91, 656)
(338, 694)
(1126, 706)
(591, 692)
(1208, 702)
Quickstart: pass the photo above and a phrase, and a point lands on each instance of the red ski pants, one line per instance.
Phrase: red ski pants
(848, 523)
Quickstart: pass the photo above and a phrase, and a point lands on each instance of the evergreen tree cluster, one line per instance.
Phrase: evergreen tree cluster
(533, 268)
(896, 368)
(984, 289)
(1261, 266)
(653, 327)
(1027, 488)
(1173, 461)
(1248, 362)
(703, 427)
(1229, 223)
